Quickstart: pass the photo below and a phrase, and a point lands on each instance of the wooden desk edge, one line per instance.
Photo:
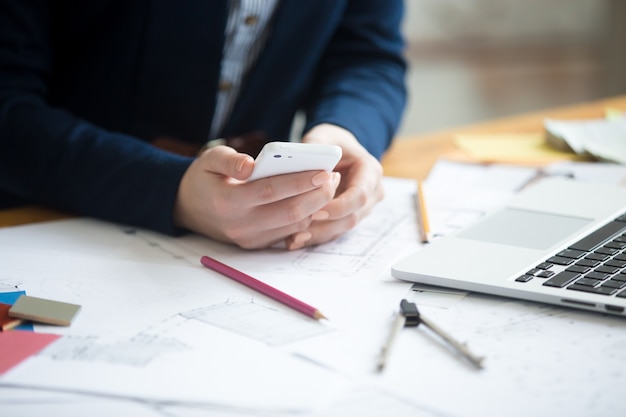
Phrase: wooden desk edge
(29, 214)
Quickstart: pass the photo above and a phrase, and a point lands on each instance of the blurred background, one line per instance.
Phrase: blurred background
(474, 60)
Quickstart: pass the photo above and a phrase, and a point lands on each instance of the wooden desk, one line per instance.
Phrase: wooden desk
(413, 157)
(410, 157)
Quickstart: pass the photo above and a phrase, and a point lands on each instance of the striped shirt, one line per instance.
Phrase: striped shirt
(246, 31)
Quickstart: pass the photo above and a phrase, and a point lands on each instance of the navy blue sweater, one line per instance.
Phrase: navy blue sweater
(86, 85)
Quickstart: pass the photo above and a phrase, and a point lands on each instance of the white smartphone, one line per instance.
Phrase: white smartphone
(277, 158)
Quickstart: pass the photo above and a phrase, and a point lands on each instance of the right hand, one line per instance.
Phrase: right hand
(214, 200)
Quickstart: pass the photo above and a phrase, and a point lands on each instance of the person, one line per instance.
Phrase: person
(95, 97)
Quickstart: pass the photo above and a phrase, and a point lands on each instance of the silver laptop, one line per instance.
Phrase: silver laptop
(559, 241)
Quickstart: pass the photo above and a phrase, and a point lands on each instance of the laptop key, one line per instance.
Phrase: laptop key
(605, 250)
(588, 282)
(615, 245)
(597, 275)
(607, 269)
(524, 278)
(614, 284)
(578, 268)
(561, 279)
(588, 262)
(598, 237)
(620, 277)
(597, 256)
(544, 274)
(559, 260)
(594, 290)
(616, 263)
(571, 253)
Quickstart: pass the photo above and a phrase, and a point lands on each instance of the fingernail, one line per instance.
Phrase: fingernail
(300, 238)
(241, 163)
(320, 178)
(320, 215)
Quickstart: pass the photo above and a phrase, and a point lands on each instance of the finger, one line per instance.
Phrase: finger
(277, 220)
(326, 231)
(352, 199)
(280, 187)
(285, 217)
(269, 237)
(227, 161)
(323, 232)
(329, 229)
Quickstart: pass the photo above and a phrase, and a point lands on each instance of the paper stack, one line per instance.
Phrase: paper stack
(604, 139)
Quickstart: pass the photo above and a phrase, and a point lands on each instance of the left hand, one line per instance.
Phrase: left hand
(359, 191)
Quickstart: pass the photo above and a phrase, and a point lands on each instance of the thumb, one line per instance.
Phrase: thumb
(226, 161)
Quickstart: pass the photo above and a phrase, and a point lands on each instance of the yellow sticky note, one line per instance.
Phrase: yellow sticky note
(614, 114)
(511, 148)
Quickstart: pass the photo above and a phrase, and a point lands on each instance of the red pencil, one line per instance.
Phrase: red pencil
(261, 287)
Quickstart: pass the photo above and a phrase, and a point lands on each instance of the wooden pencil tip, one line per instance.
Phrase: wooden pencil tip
(319, 316)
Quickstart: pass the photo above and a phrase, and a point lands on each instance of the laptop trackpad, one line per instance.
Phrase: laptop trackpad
(525, 228)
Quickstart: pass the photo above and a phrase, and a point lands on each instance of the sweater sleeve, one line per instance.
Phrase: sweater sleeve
(51, 157)
(361, 81)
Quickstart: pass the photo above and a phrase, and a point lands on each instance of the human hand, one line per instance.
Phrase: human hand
(213, 199)
(360, 189)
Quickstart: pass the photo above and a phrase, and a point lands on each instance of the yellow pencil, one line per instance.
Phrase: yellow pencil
(422, 214)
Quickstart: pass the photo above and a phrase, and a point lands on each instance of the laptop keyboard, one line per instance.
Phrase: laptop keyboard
(595, 264)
